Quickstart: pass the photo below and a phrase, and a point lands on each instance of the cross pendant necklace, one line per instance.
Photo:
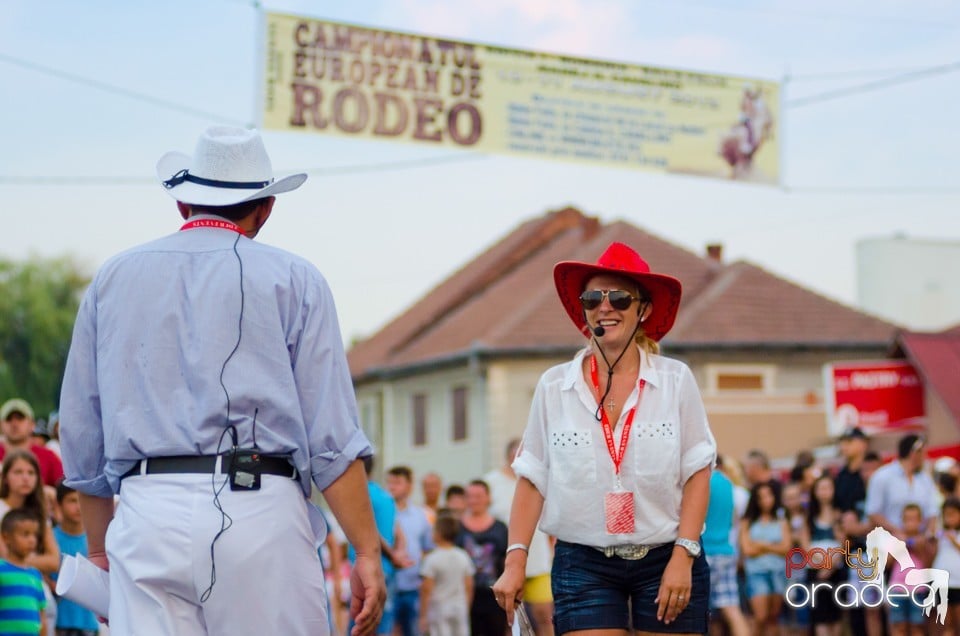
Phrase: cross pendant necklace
(611, 404)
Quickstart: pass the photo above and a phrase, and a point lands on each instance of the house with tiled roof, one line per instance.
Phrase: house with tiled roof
(448, 383)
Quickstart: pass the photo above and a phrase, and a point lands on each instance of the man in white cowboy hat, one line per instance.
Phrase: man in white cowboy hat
(207, 376)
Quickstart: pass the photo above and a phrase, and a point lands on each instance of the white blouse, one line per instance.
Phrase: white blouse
(564, 454)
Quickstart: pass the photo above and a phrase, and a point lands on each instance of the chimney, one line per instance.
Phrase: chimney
(715, 252)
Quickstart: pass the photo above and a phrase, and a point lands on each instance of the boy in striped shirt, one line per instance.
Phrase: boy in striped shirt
(21, 589)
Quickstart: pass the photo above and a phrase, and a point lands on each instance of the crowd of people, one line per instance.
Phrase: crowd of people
(766, 532)
(442, 555)
(456, 542)
(445, 546)
(40, 522)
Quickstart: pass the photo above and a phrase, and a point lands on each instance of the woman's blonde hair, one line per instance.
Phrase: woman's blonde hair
(648, 344)
(732, 468)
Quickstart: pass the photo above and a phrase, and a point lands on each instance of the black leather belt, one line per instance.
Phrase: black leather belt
(207, 464)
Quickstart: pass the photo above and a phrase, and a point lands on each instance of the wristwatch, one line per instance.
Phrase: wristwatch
(692, 547)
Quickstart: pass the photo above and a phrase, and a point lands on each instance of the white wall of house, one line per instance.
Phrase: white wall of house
(510, 385)
(499, 395)
(390, 426)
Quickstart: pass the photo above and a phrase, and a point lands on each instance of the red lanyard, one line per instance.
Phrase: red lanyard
(217, 223)
(605, 421)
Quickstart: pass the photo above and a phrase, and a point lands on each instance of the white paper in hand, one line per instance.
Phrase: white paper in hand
(84, 583)
(521, 622)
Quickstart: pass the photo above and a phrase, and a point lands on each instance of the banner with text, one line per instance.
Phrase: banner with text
(879, 396)
(345, 80)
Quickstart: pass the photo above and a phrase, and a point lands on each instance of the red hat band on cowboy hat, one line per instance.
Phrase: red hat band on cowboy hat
(663, 291)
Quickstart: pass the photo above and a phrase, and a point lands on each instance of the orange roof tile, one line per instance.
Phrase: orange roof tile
(747, 305)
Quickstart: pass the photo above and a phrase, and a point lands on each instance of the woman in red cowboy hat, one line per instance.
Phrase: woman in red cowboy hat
(615, 463)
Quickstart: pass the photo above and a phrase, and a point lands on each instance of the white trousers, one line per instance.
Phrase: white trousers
(268, 575)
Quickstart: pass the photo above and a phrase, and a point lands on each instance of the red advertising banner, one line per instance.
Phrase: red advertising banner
(878, 396)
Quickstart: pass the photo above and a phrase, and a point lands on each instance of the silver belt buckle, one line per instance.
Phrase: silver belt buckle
(628, 552)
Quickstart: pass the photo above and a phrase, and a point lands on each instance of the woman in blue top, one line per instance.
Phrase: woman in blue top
(764, 541)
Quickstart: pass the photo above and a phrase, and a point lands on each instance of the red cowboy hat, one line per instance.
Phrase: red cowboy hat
(620, 260)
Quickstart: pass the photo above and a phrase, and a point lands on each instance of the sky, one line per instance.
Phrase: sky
(100, 90)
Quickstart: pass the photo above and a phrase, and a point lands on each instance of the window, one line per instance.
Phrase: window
(371, 412)
(739, 381)
(419, 419)
(749, 378)
(460, 414)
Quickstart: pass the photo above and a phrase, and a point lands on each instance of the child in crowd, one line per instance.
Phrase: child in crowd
(764, 542)
(22, 600)
(21, 487)
(455, 500)
(906, 619)
(446, 590)
(72, 619)
(948, 558)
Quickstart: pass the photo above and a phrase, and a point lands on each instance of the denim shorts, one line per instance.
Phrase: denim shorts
(766, 583)
(593, 591)
(906, 612)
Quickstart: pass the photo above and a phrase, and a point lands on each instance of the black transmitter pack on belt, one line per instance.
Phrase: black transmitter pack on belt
(245, 469)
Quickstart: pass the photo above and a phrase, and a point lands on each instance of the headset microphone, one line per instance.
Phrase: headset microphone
(597, 331)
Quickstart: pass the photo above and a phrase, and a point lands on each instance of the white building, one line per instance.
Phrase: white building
(911, 282)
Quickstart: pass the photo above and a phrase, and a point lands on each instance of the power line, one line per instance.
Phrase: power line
(909, 76)
(905, 190)
(95, 180)
(55, 180)
(904, 78)
(812, 15)
(117, 90)
(839, 75)
(908, 190)
(403, 164)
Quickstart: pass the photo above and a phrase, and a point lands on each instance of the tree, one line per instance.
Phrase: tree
(38, 305)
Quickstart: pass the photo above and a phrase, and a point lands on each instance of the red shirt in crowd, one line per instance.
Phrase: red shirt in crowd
(51, 468)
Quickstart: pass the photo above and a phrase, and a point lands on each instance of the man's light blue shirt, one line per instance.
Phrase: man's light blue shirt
(419, 536)
(889, 491)
(158, 322)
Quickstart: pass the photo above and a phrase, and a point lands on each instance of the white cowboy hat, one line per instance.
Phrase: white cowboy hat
(229, 165)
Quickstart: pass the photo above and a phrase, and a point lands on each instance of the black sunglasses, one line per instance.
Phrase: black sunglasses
(619, 299)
